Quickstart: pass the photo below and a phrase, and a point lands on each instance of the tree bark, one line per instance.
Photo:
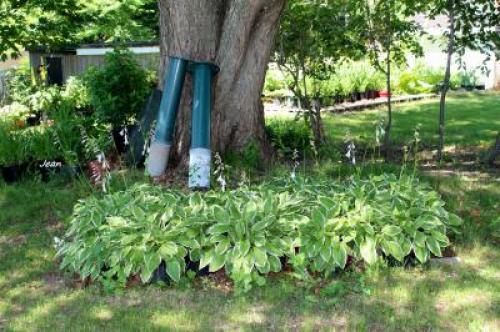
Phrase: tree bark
(446, 82)
(388, 126)
(238, 37)
(495, 151)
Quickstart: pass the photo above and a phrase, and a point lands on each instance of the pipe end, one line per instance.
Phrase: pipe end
(158, 159)
(200, 160)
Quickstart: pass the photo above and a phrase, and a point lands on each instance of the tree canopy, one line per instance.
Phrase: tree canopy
(50, 23)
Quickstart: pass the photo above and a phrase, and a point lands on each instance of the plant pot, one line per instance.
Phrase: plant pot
(13, 173)
(119, 140)
(354, 97)
(338, 99)
(20, 123)
(33, 120)
(47, 168)
(71, 171)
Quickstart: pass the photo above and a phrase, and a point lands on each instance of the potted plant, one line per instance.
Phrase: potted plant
(118, 91)
(13, 154)
(43, 149)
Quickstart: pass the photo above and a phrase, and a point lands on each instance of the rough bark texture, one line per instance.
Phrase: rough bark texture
(238, 36)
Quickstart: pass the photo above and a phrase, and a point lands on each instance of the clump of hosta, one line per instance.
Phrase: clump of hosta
(314, 225)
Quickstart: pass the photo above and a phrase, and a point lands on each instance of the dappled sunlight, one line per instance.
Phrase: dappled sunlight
(176, 319)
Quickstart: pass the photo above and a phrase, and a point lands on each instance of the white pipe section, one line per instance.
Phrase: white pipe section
(158, 158)
(199, 168)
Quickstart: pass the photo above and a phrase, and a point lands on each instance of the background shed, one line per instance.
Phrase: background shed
(75, 60)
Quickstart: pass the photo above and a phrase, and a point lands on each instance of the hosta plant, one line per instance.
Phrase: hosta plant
(251, 230)
(377, 217)
(317, 226)
(127, 234)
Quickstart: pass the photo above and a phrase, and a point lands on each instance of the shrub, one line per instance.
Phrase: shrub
(13, 147)
(42, 145)
(19, 85)
(316, 225)
(76, 93)
(420, 79)
(287, 136)
(44, 99)
(274, 82)
(117, 90)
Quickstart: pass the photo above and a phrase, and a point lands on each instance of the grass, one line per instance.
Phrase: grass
(472, 120)
(35, 295)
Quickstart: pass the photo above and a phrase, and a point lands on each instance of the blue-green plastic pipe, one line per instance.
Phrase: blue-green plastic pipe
(200, 154)
(164, 132)
(171, 98)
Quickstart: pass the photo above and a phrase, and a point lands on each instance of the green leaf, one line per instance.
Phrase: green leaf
(326, 253)
(395, 250)
(434, 246)
(222, 247)
(220, 214)
(244, 247)
(116, 221)
(168, 250)
(260, 257)
(206, 257)
(217, 262)
(318, 217)
(420, 239)
(368, 250)
(422, 253)
(440, 237)
(340, 254)
(174, 270)
(250, 211)
(391, 230)
(454, 220)
(152, 261)
(275, 263)
(195, 255)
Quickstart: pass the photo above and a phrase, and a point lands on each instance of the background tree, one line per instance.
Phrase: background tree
(236, 35)
(36, 22)
(314, 36)
(471, 26)
(52, 24)
(119, 20)
(391, 34)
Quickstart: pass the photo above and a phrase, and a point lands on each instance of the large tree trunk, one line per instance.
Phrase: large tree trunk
(238, 36)
(446, 82)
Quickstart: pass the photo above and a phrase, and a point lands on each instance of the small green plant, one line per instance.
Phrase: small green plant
(13, 146)
(76, 93)
(42, 145)
(287, 136)
(117, 90)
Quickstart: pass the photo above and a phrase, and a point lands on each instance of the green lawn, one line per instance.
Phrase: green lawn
(34, 295)
(472, 120)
